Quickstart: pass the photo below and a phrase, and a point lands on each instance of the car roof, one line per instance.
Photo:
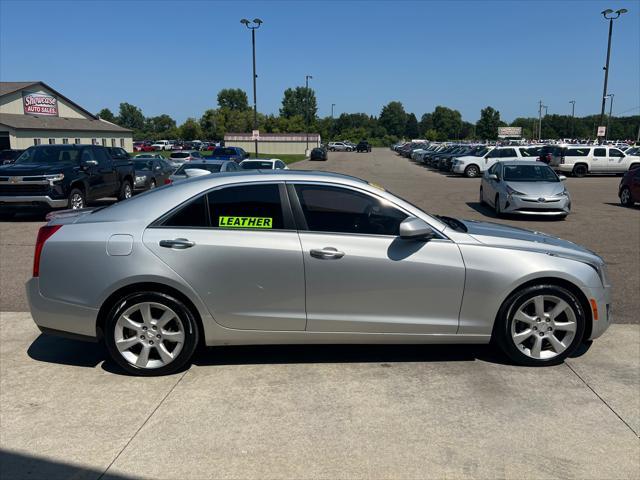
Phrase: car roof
(206, 162)
(523, 162)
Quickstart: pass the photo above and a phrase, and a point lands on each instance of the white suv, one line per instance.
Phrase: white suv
(162, 145)
(471, 166)
(340, 147)
(580, 160)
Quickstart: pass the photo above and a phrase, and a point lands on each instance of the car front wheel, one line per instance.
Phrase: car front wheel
(151, 333)
(540, 325)
(76, 199)
(625, 197)
(472, 171)
(126, 191)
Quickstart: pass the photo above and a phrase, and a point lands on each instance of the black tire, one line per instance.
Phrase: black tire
(482, 202)
(126, 190)
(626, 199)
(580, 170)
(183, 315)
(502, 329)
(496, 206)
(472, 171)
(77, 199)
(152, 184)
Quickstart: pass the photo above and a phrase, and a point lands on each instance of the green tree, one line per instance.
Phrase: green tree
(411, 129)
(447, 122)
(487, 126)
(106, 114)
(131, 117)
(233, 99)
(299, 101)
(190, 130)
(160, 124)
(393, 118)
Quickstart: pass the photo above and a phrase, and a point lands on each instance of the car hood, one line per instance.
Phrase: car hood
(467, 158)
(503, 236)
(537, 188)
(24, 170)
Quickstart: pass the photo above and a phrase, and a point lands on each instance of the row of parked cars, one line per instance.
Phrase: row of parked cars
(46, 177)
(529, 179)
(170, 145)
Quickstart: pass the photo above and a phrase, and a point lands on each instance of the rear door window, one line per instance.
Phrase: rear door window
(256, 206)
(577, 152)
(508, 152)
(600, 152)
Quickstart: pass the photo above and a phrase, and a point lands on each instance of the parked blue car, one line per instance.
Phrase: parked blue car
(236, 154)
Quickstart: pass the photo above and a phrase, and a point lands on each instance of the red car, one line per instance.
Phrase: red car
(629, 190)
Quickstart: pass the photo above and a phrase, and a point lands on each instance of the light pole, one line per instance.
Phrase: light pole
(573, 114)
(607, 14)
(610, 97)
(307, 96)
(332, 105)
(253, 26)
(540, 107)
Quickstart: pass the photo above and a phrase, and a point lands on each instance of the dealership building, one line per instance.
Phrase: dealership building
(274, 143)
(33, 113)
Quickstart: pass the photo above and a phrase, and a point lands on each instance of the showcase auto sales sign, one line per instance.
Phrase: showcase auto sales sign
(40, 104)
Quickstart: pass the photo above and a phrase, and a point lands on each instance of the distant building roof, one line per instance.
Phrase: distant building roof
(272, 137)
(34, 122)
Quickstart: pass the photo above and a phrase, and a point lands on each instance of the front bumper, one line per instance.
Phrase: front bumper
(53, 316)
(458, 168)
(527, 205)
(602, 298)
(32, 200)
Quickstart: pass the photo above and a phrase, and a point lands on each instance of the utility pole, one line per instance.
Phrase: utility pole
(606, 133)
(573, 114)
(253, 26)
(607, 15)
(540, 107)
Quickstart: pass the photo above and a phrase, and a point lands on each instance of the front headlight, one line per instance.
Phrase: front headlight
(511, 192)
(55, 178)
(140, 179)
(563, 193)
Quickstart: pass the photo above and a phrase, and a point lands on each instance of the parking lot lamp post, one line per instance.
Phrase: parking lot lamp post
(610, 15)
(253, 26)
(573, 114)
(332, 123)
(307, 96)
(610, 97)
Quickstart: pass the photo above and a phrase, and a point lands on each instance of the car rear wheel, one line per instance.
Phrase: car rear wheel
(472, 171)
(76, 199)
(126, 191)
(497, 206)
(580, 171)
(540, 325)
(625, 197)
(481, 196)
(150, 333)
(152, 184)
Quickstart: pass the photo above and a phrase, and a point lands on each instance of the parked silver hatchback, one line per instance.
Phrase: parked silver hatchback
(525, 188)
(289, 257)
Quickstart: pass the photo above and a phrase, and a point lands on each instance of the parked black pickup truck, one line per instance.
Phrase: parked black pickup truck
(63, 176)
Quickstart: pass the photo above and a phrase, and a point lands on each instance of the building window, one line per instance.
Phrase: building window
(94, 141)
(77, 141)
(104, 142)
(122, 143)
(37, 141)
(52, 141)
(113, 142)
(65, 141)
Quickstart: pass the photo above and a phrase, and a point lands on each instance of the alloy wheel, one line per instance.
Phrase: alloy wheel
(127, 191)
(625, 197)
(543, 327)
(149, 335)
(77, 202)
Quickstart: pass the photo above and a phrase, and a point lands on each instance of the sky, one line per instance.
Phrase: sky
(169, 56)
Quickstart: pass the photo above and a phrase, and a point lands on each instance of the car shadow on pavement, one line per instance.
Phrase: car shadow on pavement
(487, 211)
(64, 351)
(635, 207)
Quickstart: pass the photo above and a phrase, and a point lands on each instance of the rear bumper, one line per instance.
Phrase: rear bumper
(32, 200)
(61, 318)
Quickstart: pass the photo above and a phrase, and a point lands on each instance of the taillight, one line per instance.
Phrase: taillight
(43, 235)
(167, 181)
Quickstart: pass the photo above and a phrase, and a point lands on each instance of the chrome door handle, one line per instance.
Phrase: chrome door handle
(326, 253)
(178, 243)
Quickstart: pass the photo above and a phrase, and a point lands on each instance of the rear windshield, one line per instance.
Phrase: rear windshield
(212, 167)
(529, 173)
(179, 155)
(257, 165)
(224, 151)
(52, 154)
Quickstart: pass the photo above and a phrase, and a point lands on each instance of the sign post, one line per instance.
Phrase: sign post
(602, 131)
(509, 132)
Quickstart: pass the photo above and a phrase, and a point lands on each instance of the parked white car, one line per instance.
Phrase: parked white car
(162, 145)
(583, 159)
(471, 166)
(263, 164)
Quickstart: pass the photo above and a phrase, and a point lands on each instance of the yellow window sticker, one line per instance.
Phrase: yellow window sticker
(245, 222)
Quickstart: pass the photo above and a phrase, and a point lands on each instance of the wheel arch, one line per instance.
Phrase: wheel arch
(112, 299)
(560, 282)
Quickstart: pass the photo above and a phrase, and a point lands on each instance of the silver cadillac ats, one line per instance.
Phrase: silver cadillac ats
(287, 257)
(525, 188)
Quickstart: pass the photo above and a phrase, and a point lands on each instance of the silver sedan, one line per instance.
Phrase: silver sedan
(292, 257)
(525, 188)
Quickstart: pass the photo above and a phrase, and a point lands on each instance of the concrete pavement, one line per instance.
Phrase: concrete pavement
(318, 412)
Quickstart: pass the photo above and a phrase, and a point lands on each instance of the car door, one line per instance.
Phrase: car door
(490, 158)
(617, 161)
(238, 249)
(489, 185)
(95, 180)
(600, 160)
(107, 170)
(361, 277)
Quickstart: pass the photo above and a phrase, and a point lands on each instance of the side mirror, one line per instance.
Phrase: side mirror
(493, 176)
(414, 228)
(562, 178)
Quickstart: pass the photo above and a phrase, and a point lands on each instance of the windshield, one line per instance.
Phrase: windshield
(179, 155)
(257, 165)
(211, 167)
(49, 154)
(142, 164)
(529, 173)
(220, 151)
(480, 151)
